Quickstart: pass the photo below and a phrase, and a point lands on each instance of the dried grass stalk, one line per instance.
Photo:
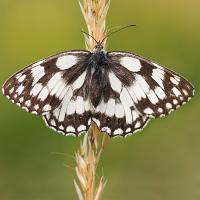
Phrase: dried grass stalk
(95, 12)
(87, 158)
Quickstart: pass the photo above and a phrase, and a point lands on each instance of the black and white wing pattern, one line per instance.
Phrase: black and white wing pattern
(55, 88)
(138, 90)
(119, 91)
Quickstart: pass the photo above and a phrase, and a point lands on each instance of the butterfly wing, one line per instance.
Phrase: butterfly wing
(134, 90)
(54, 88)
(138, 89)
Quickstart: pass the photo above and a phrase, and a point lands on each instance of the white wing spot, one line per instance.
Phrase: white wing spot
(87, 105)
(158, 76)
(177, 78)
(106, 129)
(181, 98)
(119, 131)
(160, 110)
(56, 112)
(43, 94)
(79, 105)
(54, 79)
(168, 105)
(61, 127)
(110, 110)
(133, 95)
(28, 103)
(21, 99)
(185, 92)
(59, 89)
(142, 82)
(173, 80)
(37, 73)
(70, 129)
(25, 108)
(102, 107)
(89, 122)
(47, 107)
(115, 83)
(36, 107)
(61, 112)
(11, 90)
(132, 64)
(79, 81)
(71, 107)
(148, 111)
(135, 115)
(152, 97)
(81, 128)
(21, 79)
(160, 93)
(138, 124)
(65, 62)
(20, 89)
(176, 91)
(128, 130)
(8, 97)
(125, 102)
(96, 121)
(38, 63)
(136, 89)
(36, 89)
(18, 104)
(119, 110)
(52, 122)
(48, 116)
(18, 75)
(175, 102)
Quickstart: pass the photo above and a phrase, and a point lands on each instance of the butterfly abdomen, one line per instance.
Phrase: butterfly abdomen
(97, 85)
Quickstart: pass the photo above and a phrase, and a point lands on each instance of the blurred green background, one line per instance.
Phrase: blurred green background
(162, 162)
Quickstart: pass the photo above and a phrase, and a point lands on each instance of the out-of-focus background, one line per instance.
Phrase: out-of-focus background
(162, 162)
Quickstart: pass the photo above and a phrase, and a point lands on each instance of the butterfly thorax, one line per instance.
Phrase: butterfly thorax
(98, 58)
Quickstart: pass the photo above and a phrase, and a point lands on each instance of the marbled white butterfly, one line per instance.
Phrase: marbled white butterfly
(119, 91)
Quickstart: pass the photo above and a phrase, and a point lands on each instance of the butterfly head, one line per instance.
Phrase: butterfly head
(99, 46)
(98, 56)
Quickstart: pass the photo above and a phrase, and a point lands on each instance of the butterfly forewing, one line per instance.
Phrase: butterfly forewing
(53, 87)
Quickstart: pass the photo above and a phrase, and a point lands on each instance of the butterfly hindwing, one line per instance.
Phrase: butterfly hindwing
(116, 113)
(119, 116)
(72, 116)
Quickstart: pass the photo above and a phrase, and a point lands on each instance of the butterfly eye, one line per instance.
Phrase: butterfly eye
(99, 46)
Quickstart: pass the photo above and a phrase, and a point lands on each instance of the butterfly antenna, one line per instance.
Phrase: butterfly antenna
(117, 31)
(89, 35)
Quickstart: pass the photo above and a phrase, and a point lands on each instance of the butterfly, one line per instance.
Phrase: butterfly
(119, 91)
